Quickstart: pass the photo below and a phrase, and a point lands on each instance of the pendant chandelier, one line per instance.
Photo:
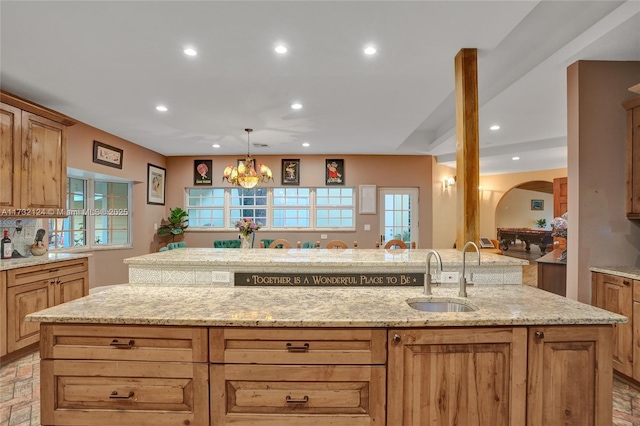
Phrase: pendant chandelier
(245, 174)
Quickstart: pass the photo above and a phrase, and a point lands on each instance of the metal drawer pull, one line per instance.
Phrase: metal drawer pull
(114, 395)
(304, 400)
(122, 345)
(303, 348)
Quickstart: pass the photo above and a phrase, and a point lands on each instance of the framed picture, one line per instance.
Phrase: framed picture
(156, 182)
(537, 204)
(334, 173)
(291, 172)
(107, 155)
(202, 171)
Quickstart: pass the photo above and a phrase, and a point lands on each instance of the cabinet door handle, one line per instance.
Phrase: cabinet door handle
(122, 345)
(397, 338)
(304, 400)
(625, 282)
(53, 270)
(303, 348)
(539, 335)
(114, 395)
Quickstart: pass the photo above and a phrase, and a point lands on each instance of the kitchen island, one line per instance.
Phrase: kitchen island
(219, 267)
(160, 354)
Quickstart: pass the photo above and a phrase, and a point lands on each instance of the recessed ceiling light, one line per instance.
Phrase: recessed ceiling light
(296, 105)
(190, 51)
(495, 127)
(515, 158)
(281, 49)
(216, 145)
(162, 108)
(306, 144)
(370, 50)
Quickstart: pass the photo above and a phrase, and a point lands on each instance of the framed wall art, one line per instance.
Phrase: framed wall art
(202, 171)
(291, 172)
(367, 199)
(537, 204)
(334, 173)
(107, 155)
(156, 183)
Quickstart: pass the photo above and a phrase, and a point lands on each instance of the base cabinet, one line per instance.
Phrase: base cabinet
(569, 376)
(619, 294)
(33, 288)
(476, 376)
(457, 376)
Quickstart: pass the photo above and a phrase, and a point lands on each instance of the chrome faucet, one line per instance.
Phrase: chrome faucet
(463, 280)
(427, 277)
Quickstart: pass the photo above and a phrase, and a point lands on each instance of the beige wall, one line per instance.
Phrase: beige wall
(494, 187)
(384, 171)
(599, 233)
(106, 266)
(514, 210)
(444, 207)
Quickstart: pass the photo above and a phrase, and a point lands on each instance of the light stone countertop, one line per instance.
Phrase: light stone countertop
(497, 305)
(21, 262)
(631, 272)
(349, 260)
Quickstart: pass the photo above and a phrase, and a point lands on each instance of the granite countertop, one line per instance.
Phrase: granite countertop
(632, 272)
(378, 259)
(497, 305)
(22, 262)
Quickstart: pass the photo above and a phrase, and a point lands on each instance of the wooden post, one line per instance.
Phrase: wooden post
(467, 147)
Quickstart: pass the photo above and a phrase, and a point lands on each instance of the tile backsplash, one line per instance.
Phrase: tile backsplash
(22, 232)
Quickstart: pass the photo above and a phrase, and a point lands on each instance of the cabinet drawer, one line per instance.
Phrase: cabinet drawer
(49, 271)
(123, 343)
(297, 346)
(110, 393)
(296, 395)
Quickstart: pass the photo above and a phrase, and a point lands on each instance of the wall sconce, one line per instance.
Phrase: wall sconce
(450, 181)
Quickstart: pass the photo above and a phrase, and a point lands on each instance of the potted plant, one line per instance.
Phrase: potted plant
(175, 224)
(541, 223)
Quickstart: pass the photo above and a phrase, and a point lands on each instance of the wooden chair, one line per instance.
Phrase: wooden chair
(395, 244)
(336, 244)
(280, 243)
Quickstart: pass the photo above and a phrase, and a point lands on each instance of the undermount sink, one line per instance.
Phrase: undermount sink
(440, 306)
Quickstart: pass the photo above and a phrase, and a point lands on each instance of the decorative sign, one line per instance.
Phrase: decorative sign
(327, 280)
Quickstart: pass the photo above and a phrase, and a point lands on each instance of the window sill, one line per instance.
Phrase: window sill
(90, 249)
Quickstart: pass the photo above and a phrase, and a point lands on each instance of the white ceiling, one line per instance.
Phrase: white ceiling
(109, 63)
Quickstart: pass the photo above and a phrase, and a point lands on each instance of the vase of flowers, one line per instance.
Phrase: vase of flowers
(247, 227)
(560, 225)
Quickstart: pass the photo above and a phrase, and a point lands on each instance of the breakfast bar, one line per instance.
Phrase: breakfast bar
(202, 355)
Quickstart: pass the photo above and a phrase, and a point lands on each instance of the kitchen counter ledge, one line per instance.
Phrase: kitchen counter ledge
(159, 304)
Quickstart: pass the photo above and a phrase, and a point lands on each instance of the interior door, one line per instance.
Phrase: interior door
(399, 215)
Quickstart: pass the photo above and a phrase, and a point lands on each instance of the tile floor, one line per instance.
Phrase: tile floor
(20, 396)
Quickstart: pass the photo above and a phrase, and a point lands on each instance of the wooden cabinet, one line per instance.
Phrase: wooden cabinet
(457, 376)
(106, 375)
(615, 294)
(569, 376)
(552, 274)
(31, 289)
(633, 158)
(297, 376)
(34, 158)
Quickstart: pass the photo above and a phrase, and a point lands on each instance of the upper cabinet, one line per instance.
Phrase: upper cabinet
(633, 157)
(33, 151)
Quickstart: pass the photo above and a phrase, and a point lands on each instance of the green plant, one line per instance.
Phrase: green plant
(175, 224)
(541, 223)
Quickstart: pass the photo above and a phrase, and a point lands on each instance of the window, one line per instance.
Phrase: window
(276, 208)
(99, 209)
(291, 208)
(335, 208)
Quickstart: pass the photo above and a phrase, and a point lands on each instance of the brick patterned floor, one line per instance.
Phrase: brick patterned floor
(20, 396)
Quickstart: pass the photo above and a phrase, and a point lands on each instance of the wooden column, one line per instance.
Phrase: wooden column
(467, 150)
